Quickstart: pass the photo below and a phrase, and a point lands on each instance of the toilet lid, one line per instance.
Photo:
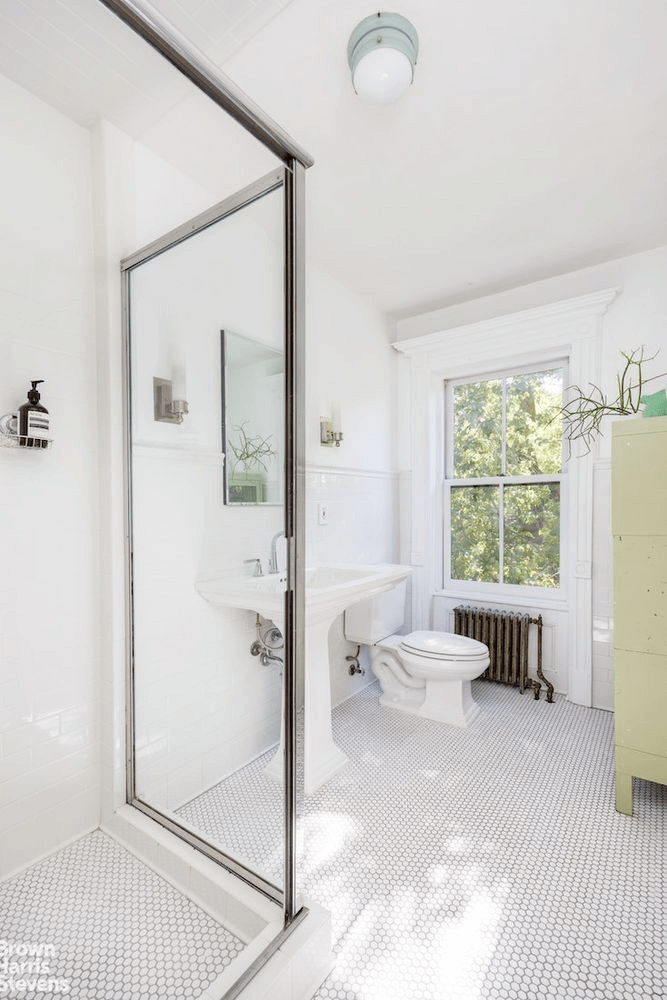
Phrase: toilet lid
(443, 644)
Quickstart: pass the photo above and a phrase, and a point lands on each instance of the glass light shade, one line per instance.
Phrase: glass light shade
(178, 381)
(382, 75)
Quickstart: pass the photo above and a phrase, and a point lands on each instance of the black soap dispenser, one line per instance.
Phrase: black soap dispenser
(33, 423)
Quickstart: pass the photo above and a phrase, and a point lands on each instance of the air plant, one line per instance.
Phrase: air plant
(584, 411)
(251, 452)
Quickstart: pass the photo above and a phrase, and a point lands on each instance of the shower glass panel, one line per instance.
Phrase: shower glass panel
(207, 677)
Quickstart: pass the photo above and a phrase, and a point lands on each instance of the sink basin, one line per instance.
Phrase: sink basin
(330, 589)
(264, 594)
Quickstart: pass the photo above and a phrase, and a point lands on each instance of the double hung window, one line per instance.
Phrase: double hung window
(504, 479)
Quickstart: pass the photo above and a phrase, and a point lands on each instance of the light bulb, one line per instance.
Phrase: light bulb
(383, 75)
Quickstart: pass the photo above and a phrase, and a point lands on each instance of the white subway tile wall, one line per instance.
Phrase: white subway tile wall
(204, 705)
(49, 655)
(363, 528)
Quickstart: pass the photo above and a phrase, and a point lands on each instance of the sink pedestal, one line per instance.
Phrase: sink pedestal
(330, 589)
(321, 757)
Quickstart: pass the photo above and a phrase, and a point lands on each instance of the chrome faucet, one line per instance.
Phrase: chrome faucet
(273, 562)
(256, 566)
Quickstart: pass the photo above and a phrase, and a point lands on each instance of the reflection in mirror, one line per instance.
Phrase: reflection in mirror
(252, 420)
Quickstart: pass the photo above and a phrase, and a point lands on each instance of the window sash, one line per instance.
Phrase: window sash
(450, 384)
(501, 481)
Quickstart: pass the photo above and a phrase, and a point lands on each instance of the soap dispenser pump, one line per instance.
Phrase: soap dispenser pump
(33, 418)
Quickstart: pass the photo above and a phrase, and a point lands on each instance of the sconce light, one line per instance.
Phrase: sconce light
(165, 408)
(382, 54)
(328, 436)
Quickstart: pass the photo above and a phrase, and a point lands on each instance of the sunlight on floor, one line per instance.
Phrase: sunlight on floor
(385, 944)
(321, 837)
(463, 949)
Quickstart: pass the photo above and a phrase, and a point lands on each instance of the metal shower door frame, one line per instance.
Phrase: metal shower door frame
(155, 30)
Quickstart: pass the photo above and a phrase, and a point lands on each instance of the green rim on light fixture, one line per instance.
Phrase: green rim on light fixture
(382, 28)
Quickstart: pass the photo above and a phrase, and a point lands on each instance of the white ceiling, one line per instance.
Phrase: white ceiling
(533, 142)
(79, 57)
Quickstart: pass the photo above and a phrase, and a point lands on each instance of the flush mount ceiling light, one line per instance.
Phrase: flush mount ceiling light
(382, 53)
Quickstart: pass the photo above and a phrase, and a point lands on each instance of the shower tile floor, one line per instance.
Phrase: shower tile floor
(93, 922)
(478, 864)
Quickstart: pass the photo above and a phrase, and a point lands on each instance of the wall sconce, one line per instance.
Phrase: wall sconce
(166, 409)
(328, 436)
(382, 54)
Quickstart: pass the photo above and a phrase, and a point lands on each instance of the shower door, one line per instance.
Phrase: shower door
(213, 545)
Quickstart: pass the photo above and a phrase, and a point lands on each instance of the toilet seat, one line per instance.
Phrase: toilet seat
(429, 674)
(424, 673)
(443, 646)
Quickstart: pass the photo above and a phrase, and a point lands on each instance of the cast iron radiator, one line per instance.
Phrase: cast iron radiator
(506, 635)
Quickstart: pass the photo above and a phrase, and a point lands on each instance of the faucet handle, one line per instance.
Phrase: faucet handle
(256, 564)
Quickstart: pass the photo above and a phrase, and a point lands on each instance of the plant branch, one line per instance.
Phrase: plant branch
(583, 413)
(251, 451)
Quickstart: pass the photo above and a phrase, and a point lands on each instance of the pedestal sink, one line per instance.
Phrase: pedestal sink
(330, 589)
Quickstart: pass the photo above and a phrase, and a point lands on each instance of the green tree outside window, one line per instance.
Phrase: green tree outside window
(507, 431)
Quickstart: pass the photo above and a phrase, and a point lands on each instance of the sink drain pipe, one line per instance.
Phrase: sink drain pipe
(269, 638)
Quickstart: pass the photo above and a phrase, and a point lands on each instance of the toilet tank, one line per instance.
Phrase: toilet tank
(374, 619)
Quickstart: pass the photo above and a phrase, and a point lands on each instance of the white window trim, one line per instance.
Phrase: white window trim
(570, 329)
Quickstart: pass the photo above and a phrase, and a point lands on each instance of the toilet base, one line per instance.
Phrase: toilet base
(449, 701)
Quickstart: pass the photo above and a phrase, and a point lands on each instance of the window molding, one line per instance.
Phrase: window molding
(568, 329)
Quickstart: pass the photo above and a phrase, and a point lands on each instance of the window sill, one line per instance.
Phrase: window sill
(559, 603)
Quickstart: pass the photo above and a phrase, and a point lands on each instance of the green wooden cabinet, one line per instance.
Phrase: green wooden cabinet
(639, 525)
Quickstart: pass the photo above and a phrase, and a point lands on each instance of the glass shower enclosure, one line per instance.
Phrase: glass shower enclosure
(214, 452)
(207, 455)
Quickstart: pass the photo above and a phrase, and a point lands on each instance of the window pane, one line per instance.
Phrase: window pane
(534, 428)
(475, 533)
(532, 535)
(478, 429)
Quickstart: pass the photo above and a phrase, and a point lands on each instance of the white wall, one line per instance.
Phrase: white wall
(635, 317)
(350, 368)
(163, 196)
(49, 655)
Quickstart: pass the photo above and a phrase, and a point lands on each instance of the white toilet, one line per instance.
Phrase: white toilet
(424, 673)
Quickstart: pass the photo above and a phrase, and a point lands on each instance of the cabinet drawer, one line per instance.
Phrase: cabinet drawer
(641, 701)
(640, 593)
(639, 487)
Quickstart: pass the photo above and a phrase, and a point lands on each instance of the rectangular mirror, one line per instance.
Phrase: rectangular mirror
(252, 420)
